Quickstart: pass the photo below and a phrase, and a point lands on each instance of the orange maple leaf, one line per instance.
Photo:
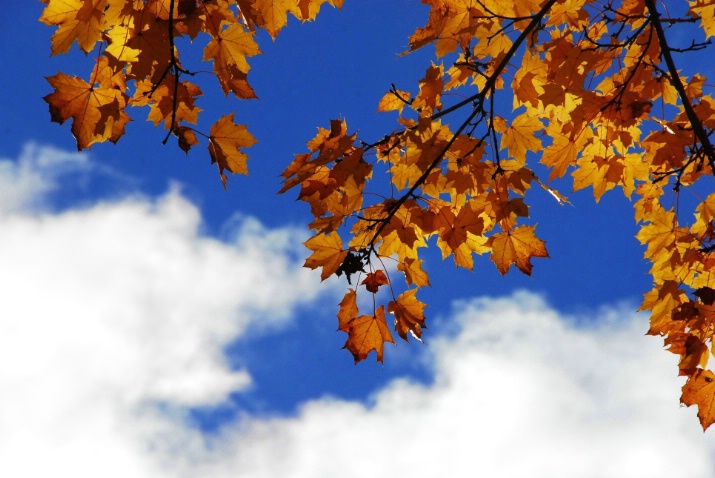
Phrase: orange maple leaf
(225, 139)
(274, 14)
(328, 253)
(374, 280)
(409, 314)
(229, 49)
(348, 310)
(367, 333)
(414, 274)
(700, 390)
(97, 113)
(166, 102)
(516, 246)
(431, 86)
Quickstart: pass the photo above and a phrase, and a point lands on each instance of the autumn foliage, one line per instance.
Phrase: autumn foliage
(596, 92)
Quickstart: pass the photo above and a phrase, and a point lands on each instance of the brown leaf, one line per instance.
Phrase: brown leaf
(374, 280)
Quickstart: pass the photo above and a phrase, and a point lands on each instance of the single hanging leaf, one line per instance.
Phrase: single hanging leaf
(328, 253)
(409, 314)
(700, 390)
(187, 138)
(367, 333)
(224, 142)
(374, 280)
(414, 274)
(348, 310)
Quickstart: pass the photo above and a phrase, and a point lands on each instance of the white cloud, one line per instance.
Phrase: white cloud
(26, 182)
(114, 318)
(518, 392)
(119, 312)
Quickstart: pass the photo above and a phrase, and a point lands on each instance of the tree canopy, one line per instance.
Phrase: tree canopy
(595, 90)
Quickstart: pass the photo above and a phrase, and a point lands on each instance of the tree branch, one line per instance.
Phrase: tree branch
(677, 83)
(479, 98)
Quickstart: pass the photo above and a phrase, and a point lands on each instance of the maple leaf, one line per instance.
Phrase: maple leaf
(431, 87)
(447, 20)
(394, 100)
(409, 314)
(348, 310)
(461, 235)
(414, 274)
(367, 333)
(328, 253)
(97, 113)
(705, 10)
(700, 390)
(516, 246)
(79, 20)
(187, 138)
(225, 139)
(168, 102)
(374, 280)
(228, 49)
(274, 14)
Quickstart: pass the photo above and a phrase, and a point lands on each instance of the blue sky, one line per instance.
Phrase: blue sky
(157, 325)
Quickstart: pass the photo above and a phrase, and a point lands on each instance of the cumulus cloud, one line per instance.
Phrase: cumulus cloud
(115, 316)
(120, 311)
(518, 391)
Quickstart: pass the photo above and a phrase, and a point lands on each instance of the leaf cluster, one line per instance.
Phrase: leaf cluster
(595, 93)
(137, 50)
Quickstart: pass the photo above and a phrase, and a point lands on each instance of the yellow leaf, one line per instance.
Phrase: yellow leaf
(414, 274)
(274, 14)
(519, 137)
(79, 20)
(225, 139)
(705, 9)
(394, 100)
(328, 253)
